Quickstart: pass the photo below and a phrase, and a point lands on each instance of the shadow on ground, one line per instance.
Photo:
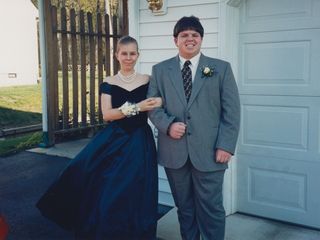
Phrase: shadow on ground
(24, 178)
(11, 118)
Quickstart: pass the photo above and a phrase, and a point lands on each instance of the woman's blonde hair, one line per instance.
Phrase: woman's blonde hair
(127, 40)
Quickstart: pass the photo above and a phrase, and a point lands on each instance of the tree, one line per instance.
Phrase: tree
(85, 5)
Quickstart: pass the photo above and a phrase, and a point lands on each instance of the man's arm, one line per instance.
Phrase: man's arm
(230, 113)
(158, 116)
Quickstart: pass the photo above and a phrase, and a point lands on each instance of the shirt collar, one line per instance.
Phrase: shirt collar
(194, 61)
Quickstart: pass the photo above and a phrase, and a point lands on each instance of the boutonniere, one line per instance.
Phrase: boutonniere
(207, 71)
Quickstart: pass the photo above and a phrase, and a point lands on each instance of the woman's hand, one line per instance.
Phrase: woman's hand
(158, 101)
(149, 104)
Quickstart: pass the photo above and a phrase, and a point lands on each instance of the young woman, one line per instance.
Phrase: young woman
(110, 189)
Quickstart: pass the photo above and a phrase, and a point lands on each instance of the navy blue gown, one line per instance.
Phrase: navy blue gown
(110, 189)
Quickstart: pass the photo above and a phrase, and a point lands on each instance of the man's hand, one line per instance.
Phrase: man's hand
(222, 156)
(177, 130)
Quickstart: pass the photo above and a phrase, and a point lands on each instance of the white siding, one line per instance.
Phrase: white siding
(18, 46)
(155, 32)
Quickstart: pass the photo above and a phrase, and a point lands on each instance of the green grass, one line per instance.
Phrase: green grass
(17, 144)
(24, 98)
(20, 106)
(11, 118)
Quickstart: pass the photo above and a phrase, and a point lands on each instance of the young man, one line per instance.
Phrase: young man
(198, 129)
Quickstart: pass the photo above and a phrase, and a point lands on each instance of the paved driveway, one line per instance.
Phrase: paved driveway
(23, 179)
(25, 176)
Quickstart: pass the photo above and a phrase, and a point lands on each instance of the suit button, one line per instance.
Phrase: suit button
(188, 117)
(189, 133)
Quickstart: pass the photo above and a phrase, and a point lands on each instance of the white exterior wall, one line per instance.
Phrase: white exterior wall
(18, 43)
(154, 34)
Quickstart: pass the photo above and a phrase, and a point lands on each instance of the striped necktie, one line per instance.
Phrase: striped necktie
(187, 79)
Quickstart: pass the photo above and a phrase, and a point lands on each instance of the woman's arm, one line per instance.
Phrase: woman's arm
(111, 114)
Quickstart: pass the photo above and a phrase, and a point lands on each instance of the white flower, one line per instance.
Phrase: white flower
(207, 71)
(129, 109)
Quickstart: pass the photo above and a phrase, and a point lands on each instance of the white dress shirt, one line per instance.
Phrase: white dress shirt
(193, 66)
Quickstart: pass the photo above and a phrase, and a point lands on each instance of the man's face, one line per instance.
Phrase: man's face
(189, 43)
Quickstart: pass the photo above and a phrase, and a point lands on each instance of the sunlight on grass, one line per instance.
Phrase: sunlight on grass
(23, 98)
(22, 106)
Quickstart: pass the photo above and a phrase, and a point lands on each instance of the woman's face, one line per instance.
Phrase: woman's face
(127, 56)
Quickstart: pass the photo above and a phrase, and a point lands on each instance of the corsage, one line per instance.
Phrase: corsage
(207, 71)
(129, 109)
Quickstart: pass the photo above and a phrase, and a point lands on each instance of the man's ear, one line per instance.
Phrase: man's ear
(175, 41)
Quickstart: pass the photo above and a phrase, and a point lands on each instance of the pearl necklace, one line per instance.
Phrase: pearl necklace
(127, 79)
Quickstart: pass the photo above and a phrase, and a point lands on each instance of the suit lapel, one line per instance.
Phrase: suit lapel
(198, 80)
(176, 79)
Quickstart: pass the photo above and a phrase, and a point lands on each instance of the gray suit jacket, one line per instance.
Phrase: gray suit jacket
(212, 114)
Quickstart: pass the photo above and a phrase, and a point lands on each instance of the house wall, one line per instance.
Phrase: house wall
(18, 43)
(155, 32)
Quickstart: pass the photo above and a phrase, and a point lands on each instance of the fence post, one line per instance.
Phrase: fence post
(100, 62)
(92, 57)
(107, 63)
(115, 41)
(83, 65)
(74, 59)
(65, 72)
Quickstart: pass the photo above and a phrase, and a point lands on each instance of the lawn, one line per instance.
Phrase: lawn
(18, 143)
(25, 98)
(20, 106)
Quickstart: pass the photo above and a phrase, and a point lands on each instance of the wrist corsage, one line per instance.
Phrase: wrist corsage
(129, 109)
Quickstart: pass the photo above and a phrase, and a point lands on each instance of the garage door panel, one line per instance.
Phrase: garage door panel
(276, 188)
(283, 63)
(286, 127)
(262, 121)
(294, 198)
(261, 15)
(279, 84)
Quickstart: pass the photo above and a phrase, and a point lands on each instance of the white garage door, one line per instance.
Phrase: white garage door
(279, 82)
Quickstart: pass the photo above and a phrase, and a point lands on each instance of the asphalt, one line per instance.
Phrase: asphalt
(25, 176)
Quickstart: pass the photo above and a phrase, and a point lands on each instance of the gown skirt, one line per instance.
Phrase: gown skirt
(110, 189)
